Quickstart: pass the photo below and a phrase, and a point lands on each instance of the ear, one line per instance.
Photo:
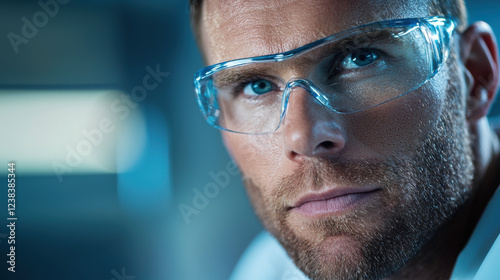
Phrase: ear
(479, 54)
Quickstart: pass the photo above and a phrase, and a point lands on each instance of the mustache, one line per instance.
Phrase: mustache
(314, 175)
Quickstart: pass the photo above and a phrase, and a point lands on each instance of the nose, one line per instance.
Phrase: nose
(310, 129)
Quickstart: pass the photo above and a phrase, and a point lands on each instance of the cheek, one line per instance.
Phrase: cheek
(397, 126)
(257, 156)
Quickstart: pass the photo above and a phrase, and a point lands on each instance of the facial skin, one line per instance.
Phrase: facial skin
(412, 157)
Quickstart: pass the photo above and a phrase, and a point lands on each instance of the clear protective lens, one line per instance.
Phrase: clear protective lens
(372, 68)
(357, 70)
(249, 104)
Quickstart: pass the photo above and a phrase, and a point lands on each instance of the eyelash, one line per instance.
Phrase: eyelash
(238, 90)
(339, 59)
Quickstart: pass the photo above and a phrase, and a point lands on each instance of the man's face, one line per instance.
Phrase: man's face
(355, 195)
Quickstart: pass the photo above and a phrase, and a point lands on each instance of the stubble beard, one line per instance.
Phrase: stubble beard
(419, 194)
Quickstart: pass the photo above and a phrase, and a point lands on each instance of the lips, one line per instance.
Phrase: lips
(333, 201)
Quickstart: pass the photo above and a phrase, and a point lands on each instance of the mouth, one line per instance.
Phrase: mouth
(333, 202)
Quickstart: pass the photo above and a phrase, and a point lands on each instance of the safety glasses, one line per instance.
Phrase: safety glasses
(347, 72)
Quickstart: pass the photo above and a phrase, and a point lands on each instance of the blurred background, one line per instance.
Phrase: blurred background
(117, 173)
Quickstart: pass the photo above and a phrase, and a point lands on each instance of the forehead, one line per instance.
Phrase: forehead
(232, 29)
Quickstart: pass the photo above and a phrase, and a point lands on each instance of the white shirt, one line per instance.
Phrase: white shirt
(480, 259)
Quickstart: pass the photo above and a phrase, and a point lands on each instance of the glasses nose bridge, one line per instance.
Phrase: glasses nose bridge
(308, 86)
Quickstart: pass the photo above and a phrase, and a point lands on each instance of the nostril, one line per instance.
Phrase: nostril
(327, 148)
(327, 145)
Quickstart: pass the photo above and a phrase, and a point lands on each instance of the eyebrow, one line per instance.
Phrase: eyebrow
(236, 75)
(386, 35)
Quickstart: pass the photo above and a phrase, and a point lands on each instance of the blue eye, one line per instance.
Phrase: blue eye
(360, 58)
(258, 87)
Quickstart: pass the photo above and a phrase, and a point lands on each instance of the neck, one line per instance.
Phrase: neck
(437, 258)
